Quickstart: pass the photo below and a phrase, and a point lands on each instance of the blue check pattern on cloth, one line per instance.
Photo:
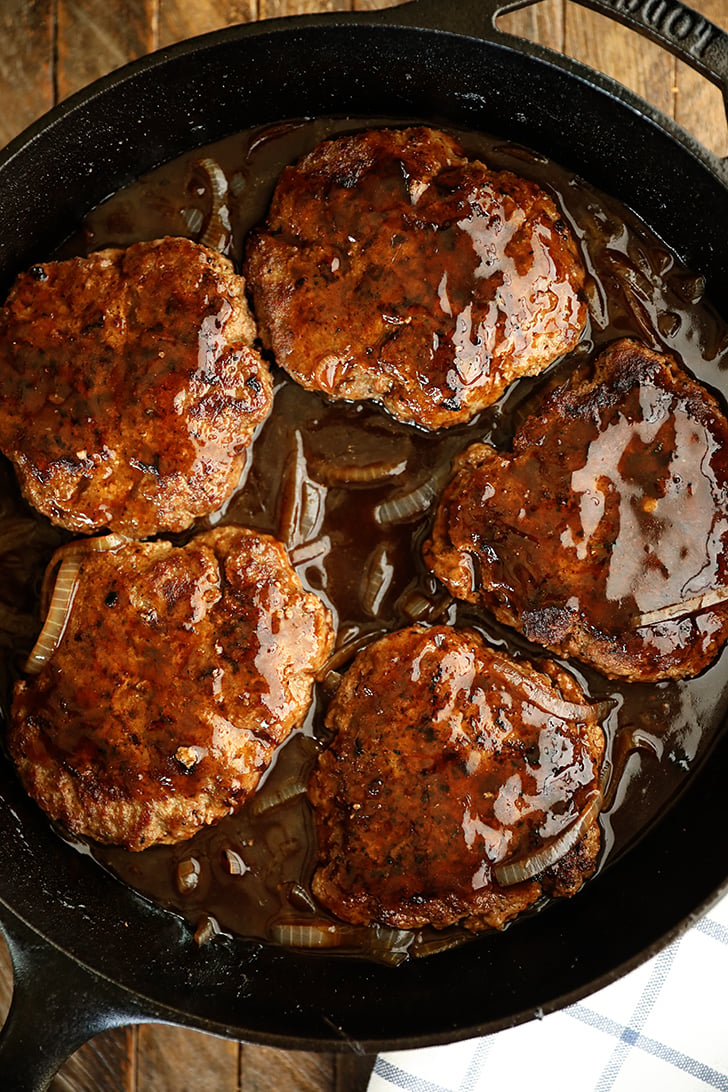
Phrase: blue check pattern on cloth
(662, 1027)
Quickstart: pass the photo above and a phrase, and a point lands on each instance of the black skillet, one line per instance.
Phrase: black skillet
(88, 953)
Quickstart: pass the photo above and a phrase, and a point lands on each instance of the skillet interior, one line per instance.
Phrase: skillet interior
(201, 92)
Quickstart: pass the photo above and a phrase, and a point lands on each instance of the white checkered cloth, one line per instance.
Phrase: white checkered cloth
(661, 1028)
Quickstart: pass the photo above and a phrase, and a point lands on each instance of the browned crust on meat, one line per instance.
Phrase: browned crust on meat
(180, 672)
(613, 503)
(129, 386)
(392, 267)
(432, 778)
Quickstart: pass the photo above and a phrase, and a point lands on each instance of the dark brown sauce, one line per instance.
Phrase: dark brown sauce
(349, 490)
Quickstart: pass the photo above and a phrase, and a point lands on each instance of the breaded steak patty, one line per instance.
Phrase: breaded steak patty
(603, 535)
(449, 761)
(180, 671)
(392, 267)
(129, 386)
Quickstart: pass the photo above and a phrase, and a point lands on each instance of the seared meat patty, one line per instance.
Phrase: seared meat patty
(449, 762)
(129, 387)
(180, 672)
(604, 531)
(392, 267)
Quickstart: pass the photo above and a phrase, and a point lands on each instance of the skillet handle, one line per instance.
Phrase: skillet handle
(670, 23)
(685, 32)
(57, 1006)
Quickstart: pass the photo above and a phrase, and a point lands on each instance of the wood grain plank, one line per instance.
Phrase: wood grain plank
(613, 49)
(96, 36)
(6, 980)
(272, 9)
(178, 1060)
(263, 1069)
(542, 23)
(180, 19)
(106, 1064)
(375, 5)
(26, 63)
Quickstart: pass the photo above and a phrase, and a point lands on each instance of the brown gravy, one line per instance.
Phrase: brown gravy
(348, 489)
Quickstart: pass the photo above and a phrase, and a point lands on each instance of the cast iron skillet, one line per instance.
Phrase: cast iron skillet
(87, 952)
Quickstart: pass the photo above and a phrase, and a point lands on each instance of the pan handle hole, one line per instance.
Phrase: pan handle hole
(643, 66)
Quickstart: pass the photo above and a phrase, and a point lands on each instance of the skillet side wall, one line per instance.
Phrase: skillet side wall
(186, 96)
(92, 147)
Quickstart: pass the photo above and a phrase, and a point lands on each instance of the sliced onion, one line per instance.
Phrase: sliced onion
(234, 863)
(643, 740)
(331, 683)
(376, 579)
(419, 607)
(288, 776)
(549, 702)
(361, 473)
(187, 875)
(636, 739)
(313, 499)
(98, 544)
(238, 183)
(208, 927)
(60, 584)
(416, 606)
(627, 740)
(636, 286)
(310, 933)
(389, 946)
(377, 941)
(512, 872)
(444, 943)
(218, 230)
(77, 549)
(59, 611)
(675, 611)
(691, 287)
(301, 898)
(273, 795)
(410, 505)
(194, 218)
(404, 508)
(308, 552)
(302, 501)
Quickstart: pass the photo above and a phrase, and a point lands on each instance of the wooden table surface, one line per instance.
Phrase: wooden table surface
(49, 49)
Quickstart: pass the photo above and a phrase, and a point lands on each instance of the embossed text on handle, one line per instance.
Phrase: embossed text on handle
(671, 19)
